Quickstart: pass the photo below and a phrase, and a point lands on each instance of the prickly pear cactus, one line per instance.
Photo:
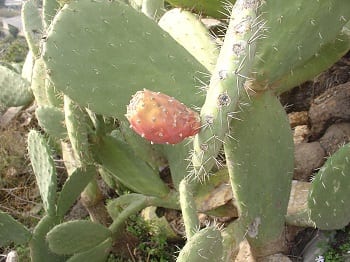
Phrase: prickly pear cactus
(160, 118)
(96, 54)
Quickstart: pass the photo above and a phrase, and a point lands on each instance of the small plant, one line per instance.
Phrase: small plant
(14, 50)
(339, 247)
(153, 244)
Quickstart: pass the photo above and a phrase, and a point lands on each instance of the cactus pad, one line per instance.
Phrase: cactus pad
(15, 90)
(118, 159)
(328, 200)
(103, 74)
(187, 29)
(260, 161)
(318, 23)
(205, 245)
(32, 25)
(51, 119)
(76, 236)
(44, 170)
(12, 231)
(96, 254)
(72, 188)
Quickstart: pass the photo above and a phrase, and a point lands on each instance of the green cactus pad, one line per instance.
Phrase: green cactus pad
(50, 8)
(72, 188)
(54, 97)
(15, 90)
(96, 254)
(12, 66)
(214, 8)
(261, 163)
(32, 25)
(104, 74)
(154, 9)
(190, 32)
(51, 119)
(328, 200)
(76, 236)
(289, 42)
(232, 235)
(77, 126)
(205, 245)
(188, 208)
(38, 82)
(176, 156)
(27, 68)
(115, 206)
(144, 149)
(39, 249)
(44, 170)
(118, 158)
(12, 231)
(326, 56)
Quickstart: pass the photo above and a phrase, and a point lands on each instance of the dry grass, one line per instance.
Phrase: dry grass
(19, 195)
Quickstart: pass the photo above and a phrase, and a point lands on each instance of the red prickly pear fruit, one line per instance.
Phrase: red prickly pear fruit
(160, 118)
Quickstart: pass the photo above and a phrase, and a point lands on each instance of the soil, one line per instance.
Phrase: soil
(319, 113)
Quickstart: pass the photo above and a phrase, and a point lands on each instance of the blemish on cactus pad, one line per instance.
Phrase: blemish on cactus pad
(160, 118)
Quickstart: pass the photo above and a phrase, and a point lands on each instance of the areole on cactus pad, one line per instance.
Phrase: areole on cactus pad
(160, 118)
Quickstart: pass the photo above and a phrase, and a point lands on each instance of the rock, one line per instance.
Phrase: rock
(308, 157)
(301, 134)
(298, 118)
(244, 254)
(333, 106)
(275, 258)
(335, 136)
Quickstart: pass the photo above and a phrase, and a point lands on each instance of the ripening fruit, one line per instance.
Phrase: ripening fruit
(161, 119)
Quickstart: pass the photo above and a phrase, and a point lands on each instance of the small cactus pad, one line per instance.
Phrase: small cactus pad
(72, 188)
(39, 249)
(188, 30)
(119, 159)
(15, 90)
(205, 245)
(51, 119)
(329, 200)
(160, 118)
(32, 25)
(76, 236)
(96, 254)
(12, 231)
(44, 169)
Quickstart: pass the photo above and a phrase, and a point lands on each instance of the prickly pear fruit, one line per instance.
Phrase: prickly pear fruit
(160, 118)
